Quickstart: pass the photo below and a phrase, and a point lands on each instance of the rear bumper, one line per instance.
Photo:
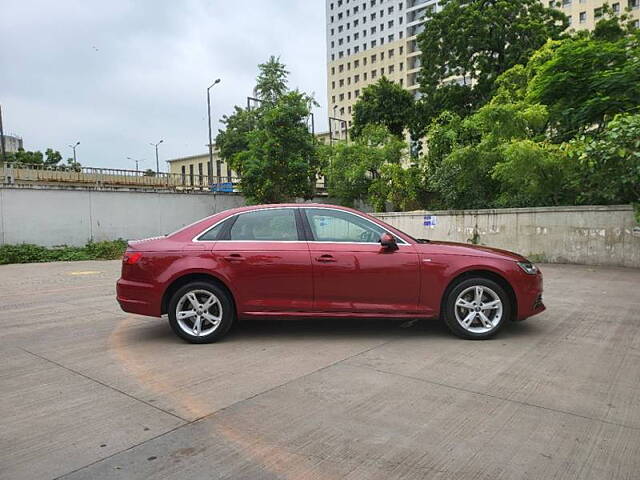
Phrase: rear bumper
(529, 296)
(138, 297)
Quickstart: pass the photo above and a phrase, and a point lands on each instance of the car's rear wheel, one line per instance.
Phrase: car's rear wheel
(201, 312)
(476, 308)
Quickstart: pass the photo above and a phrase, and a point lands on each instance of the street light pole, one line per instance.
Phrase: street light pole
(157, 161)
(74, 152)
(210, 169)
(135, 160)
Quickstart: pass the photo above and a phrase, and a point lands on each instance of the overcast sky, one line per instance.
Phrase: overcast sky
(116, 75)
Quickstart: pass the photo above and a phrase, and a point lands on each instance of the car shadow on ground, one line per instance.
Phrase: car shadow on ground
(328, 328)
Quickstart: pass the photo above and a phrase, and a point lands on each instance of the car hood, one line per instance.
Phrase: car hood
(453, 248)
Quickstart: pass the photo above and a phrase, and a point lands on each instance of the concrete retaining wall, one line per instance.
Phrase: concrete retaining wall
(599, 235)
(72, 217)
(592, 235)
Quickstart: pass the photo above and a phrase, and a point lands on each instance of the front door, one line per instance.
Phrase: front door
(266, 262)
(351, 271)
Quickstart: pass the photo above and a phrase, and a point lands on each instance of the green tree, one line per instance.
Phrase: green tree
(234, 137)
(270, 145)
(587, 79)
(607, 166)
(353, 170)
(271, 83)
(50, 158)
(383, 103)
(467, 44)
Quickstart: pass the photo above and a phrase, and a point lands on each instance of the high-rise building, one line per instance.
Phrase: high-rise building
(367, 39)
(584, 14)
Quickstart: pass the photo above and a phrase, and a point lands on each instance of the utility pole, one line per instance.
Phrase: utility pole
(157, 161)
(210, 169)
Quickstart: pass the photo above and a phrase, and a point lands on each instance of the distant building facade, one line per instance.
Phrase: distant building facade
(196, 170)
(12, 143)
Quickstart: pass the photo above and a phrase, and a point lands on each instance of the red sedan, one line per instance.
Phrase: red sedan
(308, 260)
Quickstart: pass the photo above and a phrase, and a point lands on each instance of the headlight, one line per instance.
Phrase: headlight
(528, 267)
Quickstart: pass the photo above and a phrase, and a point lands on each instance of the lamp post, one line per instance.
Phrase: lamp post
(74, 152)
(157, 161)
(136, 160)
(210, 169)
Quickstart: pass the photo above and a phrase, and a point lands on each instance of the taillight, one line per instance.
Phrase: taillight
(131, 258)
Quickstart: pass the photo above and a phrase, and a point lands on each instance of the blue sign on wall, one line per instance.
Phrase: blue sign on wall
(226, 187)
(430, 221)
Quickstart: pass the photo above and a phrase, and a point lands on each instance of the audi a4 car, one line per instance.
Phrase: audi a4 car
(316, 260)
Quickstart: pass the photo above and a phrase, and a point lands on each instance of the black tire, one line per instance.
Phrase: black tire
(449, 309)
(226, 304)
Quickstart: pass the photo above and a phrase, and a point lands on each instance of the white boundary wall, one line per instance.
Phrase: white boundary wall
(591, 235)
(51, 217)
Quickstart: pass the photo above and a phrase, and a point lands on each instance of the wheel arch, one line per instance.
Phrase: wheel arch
(488, 274)
(179, 282)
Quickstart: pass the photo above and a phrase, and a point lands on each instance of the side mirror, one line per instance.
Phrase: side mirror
(388, 242)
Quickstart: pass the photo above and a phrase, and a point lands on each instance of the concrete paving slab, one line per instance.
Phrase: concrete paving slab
(54, 420)
(554, 397)
(353, 423)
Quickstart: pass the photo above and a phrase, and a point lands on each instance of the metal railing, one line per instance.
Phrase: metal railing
(24, 174)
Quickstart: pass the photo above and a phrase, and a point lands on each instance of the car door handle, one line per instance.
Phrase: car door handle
(234, 257)
(325, 259)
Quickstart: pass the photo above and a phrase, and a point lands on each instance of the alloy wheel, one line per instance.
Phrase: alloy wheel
(199, 313)
(478, 309)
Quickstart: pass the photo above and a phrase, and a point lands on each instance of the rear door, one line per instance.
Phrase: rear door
(267, 261)
(352, 273)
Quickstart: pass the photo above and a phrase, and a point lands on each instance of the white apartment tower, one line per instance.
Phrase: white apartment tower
(368, 39)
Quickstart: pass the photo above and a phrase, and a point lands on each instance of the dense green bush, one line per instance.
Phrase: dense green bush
(29, 253)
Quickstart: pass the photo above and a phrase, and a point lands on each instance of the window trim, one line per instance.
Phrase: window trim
(309, 233)
(232, 219)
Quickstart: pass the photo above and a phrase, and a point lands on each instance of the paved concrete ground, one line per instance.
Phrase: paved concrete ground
(87, 391)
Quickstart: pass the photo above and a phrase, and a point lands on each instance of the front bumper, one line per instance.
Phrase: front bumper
(529, 296)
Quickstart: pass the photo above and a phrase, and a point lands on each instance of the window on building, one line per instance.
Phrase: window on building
(356, 49)
(401, 66)
(373, 74)
(374, 58)
(342, 82)
(356, 93)
(616, 7)
(356, 63)
(391, 53)
(341, 97)
(191, 175)
(400, 50)
(390, 39)
(381, 55)
(184, 174)
(381, 70)
(583, 17)
(392, 68)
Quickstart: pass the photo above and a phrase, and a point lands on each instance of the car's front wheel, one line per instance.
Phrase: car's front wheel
(476, 308)
(201, 312)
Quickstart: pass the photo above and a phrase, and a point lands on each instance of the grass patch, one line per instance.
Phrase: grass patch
(29, 253)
